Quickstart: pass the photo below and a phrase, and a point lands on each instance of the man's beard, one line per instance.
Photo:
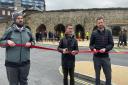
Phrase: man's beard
(19, 24)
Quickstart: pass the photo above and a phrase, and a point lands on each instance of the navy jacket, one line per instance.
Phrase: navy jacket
(101, 40)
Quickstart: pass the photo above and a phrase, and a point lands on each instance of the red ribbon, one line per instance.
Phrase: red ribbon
(52, 49)
(33, 46)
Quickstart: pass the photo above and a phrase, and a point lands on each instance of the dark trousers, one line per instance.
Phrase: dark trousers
(67, 71)
(125, 42)
(106, 65)
(18, 75)
(120, 43)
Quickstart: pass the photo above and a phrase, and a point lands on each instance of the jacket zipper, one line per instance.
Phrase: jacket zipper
(21, 46)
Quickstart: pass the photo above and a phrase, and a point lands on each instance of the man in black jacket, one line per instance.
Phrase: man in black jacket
(68, 46)
(101, 43)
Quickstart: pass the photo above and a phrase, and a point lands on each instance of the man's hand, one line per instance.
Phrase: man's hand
(95, 51)
(102, 50)
(74, 52)
(28, 44)
(11, 43)
(65, 51)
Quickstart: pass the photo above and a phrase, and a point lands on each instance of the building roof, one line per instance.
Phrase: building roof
(73, 10)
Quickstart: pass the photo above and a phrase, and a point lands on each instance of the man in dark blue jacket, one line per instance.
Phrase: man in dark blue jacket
(68, 46)
(101, 43)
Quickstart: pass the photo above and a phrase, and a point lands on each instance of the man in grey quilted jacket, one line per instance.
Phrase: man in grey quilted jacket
(17, 58)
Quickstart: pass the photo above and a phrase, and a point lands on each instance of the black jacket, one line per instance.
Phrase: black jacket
(101, 40)
(68, 60)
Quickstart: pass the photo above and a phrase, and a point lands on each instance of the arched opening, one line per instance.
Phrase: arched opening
(41, 28)
(28, 27)
(59, 29)
(79, 32)
(94, 28)
(116, 30)
(41, 32)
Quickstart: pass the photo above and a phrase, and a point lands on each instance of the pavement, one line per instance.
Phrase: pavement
(119, 73)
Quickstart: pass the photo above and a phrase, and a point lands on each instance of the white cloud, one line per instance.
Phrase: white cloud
(84, 4)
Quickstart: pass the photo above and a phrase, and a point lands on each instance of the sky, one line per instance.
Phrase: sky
(84, 4)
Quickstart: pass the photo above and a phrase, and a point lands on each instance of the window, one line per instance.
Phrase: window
(32, 4)
(7, 2)
(9, 13)
(39, 4)
(27, 2)
(3, 12)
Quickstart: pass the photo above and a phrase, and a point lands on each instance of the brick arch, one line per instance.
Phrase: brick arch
(28, 27)
(79, 29)
(41, 28)
(59, 28)
(116, 30)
